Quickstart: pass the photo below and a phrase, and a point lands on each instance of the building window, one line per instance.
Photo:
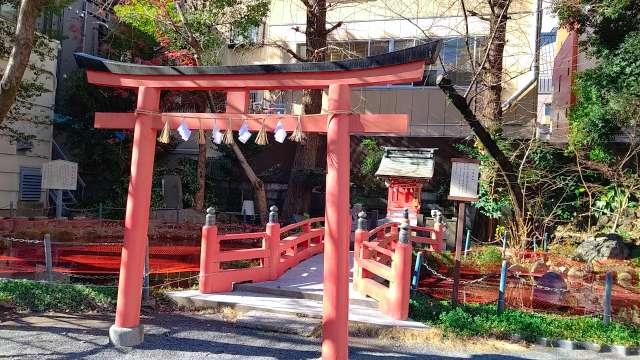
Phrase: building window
(30, 184)
(456, 60)
(547, 109)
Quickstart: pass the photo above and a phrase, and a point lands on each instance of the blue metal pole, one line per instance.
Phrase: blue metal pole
(416, 273)
(504, 241)
(608, 285)
(467, 243)
(503, 286)
(535, 245)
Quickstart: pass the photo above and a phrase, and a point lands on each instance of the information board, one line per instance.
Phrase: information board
(465, 174)
(60, 175)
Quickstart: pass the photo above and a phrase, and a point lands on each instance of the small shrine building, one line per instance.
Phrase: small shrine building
(405, 171)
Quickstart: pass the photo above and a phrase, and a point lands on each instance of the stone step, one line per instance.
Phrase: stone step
(248, 301)
(282, 323)
(297, 293)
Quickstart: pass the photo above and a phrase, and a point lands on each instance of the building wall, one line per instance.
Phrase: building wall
(564, 70)
(12, 160)
(431, 115)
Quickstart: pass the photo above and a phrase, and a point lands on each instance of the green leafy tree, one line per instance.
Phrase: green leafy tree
(19, 40)
(608, 95)
(194, 33)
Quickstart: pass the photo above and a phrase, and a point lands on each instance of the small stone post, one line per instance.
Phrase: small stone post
(273, 243)
(359, 237)
(608, 286)
(47, 257)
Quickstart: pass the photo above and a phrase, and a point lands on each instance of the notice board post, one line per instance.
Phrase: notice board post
(463, 188)
(59, 175)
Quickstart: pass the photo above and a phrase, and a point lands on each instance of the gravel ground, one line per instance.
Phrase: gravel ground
(188, 336)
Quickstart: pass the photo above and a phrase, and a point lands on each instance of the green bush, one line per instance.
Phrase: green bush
(484, 258)
(472, 320)
(40, 296)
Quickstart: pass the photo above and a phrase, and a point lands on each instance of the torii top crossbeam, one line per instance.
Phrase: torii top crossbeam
(339, 77)
(396, 67)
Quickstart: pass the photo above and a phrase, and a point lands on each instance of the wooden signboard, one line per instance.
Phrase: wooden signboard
(60, 175)
(465, 174)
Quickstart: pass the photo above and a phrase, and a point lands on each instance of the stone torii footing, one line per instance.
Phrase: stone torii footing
(339, 123)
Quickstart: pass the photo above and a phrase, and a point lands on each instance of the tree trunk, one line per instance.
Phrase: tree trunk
(298, 198)
(260, 194)
(202, 164)
(20, 53)
(491, 147)
(491, 79)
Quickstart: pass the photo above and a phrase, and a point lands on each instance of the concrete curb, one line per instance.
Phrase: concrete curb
(620, 350)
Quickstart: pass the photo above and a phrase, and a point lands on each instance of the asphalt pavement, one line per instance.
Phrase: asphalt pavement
(191, 336)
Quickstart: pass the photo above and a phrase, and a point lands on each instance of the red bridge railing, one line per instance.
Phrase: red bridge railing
(258, 256)
(382, 262)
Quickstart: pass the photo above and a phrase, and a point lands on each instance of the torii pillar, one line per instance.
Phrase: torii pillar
(335, 319)
(339, 77)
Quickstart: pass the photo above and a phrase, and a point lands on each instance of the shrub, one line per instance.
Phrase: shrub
(474, 320)
(41, 296)
(485, 257)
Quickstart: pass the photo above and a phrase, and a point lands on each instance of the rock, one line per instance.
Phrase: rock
(575, 274)
(550, 288)
(625, 279)
(595, 248)
(539, 267)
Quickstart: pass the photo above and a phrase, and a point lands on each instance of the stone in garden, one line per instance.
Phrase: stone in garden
(625, 279)
(539, 267)
(550, 289)
(575, 274)
(595, 248)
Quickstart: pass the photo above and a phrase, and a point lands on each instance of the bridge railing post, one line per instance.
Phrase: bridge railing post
(439, 227)
(273, 244)
(400, 283)
(210, 249)
(360, 236)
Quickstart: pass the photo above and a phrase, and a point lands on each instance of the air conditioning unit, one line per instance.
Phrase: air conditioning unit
(24, 145)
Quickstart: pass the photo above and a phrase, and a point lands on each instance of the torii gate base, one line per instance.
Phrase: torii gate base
(339, 77)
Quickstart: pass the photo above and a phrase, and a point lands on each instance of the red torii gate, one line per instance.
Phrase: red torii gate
(339, 77)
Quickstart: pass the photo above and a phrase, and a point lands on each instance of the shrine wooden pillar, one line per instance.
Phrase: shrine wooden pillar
(127, 330)
(335, 321)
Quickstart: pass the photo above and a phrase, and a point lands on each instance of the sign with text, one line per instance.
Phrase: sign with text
(60, 175)
(465, 174)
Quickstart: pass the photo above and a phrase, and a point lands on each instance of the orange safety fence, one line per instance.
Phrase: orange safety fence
(93, 246)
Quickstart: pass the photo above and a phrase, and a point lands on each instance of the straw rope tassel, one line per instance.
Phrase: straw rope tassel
(262, 139)
(202, 139)
(228, 135)
(165, 134)
(297, 135)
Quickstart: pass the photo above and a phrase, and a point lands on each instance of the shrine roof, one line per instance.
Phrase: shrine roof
(407, 163)
(426, 52)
